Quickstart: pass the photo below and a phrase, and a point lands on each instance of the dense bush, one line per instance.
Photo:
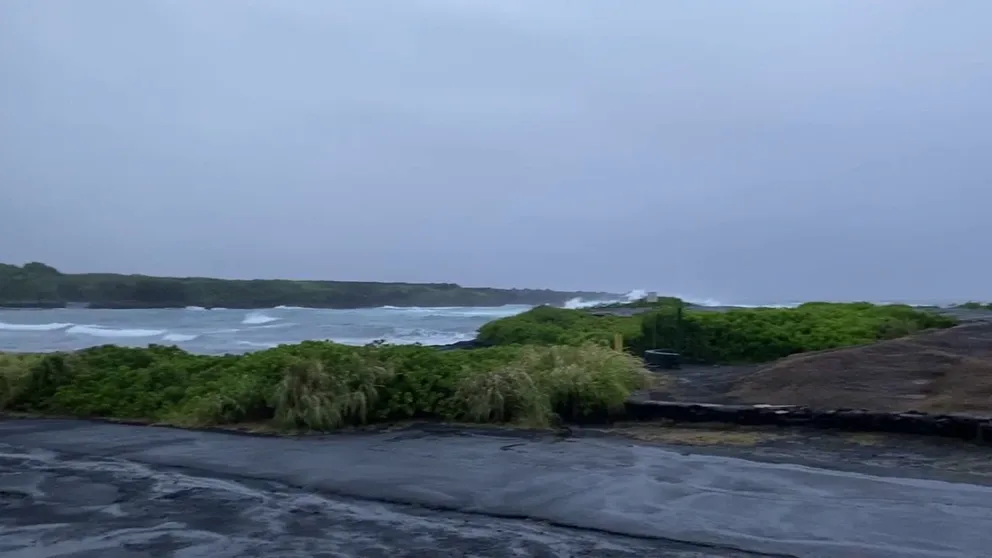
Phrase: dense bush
(546, 325)
(323, 385)
(740, 335)
(764, 334)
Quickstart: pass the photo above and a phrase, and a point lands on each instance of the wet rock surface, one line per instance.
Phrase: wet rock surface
(962, 426)
(75, 488)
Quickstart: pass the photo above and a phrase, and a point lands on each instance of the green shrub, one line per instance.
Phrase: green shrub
(545, 325)
(15, 370)
(542, 383)
(739, 335)
(323, 386)
(322, 396)
(765, 334)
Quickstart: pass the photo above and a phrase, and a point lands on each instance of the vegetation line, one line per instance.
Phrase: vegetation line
(544, 367)
(323, 386)
(735, 336)
(36, 285)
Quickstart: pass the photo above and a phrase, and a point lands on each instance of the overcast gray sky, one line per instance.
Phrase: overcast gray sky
(746, 151)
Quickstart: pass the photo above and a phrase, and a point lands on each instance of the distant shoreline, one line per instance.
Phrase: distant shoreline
(39, 286)
(113, 306)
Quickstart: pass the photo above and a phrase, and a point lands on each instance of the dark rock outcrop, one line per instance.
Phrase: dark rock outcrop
(962, 426)
(468, 344)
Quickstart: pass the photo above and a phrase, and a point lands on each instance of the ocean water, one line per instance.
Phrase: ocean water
(220, 331)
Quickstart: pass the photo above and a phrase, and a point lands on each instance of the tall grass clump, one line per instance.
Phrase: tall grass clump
(545, 384)
(319, 395)
(15, 371)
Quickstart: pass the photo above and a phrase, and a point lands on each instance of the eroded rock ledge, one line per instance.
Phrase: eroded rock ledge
(962, 426)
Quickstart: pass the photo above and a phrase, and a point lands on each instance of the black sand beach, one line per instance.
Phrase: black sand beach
(77, 488)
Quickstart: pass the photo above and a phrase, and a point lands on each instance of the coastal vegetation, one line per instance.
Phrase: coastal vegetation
(644, 302)
(724, 337)
(322, 386)
(538, 368)
(37, 285)
(973, 305)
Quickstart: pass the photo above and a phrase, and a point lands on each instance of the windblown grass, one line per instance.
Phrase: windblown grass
(546, 384)
(317, 397)
(319, 386)
(15, 370)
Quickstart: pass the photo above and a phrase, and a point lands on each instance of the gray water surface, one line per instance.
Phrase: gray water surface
(614, 495)
(220, 331)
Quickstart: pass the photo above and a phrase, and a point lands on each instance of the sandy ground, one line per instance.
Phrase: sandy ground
(77, 488)
(939, 371)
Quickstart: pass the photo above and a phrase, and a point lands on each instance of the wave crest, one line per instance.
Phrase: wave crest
(103, 331)
(178, 337)
(33, 327)
(258, 318)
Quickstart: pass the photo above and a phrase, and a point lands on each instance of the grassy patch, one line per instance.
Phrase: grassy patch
(323, 386)
(733, 336)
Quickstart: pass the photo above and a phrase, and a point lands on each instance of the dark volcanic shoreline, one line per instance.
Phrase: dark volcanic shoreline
(87, 489)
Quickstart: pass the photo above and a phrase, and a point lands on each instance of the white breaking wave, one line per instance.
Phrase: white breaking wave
(33, 327)
(217, 332)
(178, 337)
(639, 294)
(577, 302)
(102, 331)
(460, 311)
(280, 325)
(281, 307)
(410, 336)
(258, 345)
(428, 336)
(197, 308)
(636, 294)
(258, 318)
(711, 302)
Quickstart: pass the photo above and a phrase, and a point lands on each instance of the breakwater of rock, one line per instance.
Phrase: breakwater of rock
(973, 428)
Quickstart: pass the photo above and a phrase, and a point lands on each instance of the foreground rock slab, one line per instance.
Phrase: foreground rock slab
(672, 503)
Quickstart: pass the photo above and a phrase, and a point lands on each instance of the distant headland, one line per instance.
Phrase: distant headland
(37, 285)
